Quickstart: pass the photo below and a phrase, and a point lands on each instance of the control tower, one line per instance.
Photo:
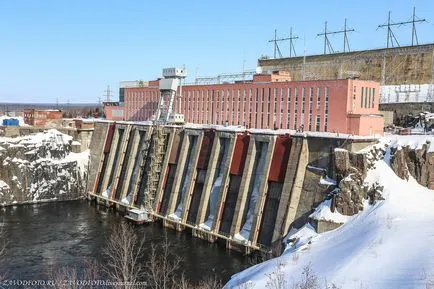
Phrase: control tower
(168, 91)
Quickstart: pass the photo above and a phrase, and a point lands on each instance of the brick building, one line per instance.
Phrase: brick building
(43, 118)
(270, 101)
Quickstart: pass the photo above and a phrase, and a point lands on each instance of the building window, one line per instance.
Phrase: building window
(256, 107)
(373, 97)
(326, 108)
(317, 123)
(366, 97)
(212, 106)
(318, 98)
(303, 99)
(295, 107)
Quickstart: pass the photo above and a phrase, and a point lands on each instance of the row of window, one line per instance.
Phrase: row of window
(367, 99)
(193, 109)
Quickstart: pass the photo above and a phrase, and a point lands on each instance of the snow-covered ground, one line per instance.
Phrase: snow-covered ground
(387, 245)
(20, 120)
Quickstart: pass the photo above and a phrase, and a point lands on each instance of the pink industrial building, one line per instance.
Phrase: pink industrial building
(270, 101)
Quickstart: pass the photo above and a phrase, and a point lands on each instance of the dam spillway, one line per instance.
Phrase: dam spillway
(245, 187)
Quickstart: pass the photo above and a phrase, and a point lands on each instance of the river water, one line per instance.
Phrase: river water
(52, 235)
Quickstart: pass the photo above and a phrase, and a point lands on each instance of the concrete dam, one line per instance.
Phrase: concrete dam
(246, 188)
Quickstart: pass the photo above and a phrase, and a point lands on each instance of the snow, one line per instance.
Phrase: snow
(411, 141)
(327, 181)
(48, 154)
(405, 93)
(387, 245)
(323, 213)
(3, 185)
(38, 139)
(106, 193)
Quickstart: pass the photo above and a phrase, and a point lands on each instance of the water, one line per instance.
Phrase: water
(59, 234)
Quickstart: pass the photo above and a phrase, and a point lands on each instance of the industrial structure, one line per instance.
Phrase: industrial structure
(270, 101)
(245, 188)
(43, 118)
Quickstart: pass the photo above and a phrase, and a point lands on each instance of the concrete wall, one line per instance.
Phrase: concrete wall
(402, 109)
(401, 65)
(245, 187)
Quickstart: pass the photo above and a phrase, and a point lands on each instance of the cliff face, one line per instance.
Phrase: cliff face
(408, 156)
(417, 162)
(41, 167)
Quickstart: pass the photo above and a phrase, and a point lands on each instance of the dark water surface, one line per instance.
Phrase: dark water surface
(60, 234)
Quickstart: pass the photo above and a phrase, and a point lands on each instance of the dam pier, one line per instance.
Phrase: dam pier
(246, 188)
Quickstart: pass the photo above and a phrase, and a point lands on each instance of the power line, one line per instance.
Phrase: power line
(107, 94)
(327, 44)
(413, 31)
(291, 43)
(276, 43)
(391, 39)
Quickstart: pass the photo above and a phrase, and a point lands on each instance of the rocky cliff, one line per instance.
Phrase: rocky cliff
(41, 167)
(414, 158)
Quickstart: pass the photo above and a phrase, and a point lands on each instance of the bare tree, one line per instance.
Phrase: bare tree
(276, 279)
(73, 278)
(124, 250)
(211, 282)
(162, 268)
(309, 280)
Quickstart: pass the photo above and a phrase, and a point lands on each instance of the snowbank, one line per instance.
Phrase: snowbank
(388, 245)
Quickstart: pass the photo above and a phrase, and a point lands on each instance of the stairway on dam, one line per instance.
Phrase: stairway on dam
(244, 187)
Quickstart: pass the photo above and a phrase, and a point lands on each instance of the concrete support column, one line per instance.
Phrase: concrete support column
(263, 190)
(97, 155)
(164, 167)
(244, 188)
(297, 187)
(190, 187)
(225, 184)
(179, 172)
(123, 150)
(177, 185)
(141, 164)
(110, 161)
(130, 165)
(290, 174)
(209, 180)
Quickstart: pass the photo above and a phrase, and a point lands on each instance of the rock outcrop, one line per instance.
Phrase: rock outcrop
(416, 162)
(40, 167)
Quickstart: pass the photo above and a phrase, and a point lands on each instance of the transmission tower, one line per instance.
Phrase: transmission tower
(345, 31)
(327, 43)
(108, 94)
(276, 44)
(291, 43)
(391, 39)
(413, 31)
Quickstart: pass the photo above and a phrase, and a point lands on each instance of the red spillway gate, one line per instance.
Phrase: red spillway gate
(280, 159)
(240, 154)
(205, 150)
